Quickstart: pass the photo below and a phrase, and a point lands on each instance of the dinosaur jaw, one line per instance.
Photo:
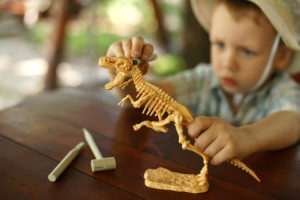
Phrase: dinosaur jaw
(105, 62)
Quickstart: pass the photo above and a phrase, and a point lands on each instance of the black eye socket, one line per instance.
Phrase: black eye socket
(134, 62)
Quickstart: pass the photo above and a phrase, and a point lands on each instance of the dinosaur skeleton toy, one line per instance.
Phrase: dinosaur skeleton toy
(159, 103)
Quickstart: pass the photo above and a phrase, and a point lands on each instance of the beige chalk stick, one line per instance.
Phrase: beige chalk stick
(65, 162)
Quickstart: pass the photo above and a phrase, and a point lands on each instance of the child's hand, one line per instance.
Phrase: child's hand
(132, 48)
(220, 140)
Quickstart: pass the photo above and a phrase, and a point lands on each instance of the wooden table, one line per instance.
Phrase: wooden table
(36, 134)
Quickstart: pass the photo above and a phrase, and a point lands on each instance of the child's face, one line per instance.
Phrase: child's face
(239, 49)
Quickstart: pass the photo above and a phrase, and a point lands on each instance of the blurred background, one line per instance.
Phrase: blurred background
(51, 44)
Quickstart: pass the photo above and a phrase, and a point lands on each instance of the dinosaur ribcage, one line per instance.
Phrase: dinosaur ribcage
(154, 99)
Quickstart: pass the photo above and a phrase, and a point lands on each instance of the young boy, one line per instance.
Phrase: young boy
(244, 102)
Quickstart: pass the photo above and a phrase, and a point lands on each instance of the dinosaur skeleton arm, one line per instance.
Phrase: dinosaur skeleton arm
(119, 79)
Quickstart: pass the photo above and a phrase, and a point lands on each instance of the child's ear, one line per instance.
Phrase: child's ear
(283, 57)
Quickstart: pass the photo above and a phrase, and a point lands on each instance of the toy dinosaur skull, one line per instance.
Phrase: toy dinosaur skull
(121, 64)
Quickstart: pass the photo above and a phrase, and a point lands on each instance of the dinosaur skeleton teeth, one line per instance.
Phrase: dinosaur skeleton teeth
(159, 102)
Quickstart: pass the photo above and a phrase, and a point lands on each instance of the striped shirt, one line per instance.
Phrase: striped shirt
(199, 90)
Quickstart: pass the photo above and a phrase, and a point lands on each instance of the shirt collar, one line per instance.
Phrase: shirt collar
(214, 85)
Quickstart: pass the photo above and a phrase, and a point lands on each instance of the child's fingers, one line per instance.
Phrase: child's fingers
(205, 140)
(127, 45)
(214, 148)
(200, 124)
(147, 51)
(221, 156)
(115, 50)
(144, 67)
(137, 46)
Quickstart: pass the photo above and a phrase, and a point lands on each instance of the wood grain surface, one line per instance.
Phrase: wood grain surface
(36, 134)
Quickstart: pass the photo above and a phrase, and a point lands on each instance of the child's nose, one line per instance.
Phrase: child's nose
(230, 60)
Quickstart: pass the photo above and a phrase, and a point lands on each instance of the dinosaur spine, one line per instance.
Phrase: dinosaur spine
(157, 100)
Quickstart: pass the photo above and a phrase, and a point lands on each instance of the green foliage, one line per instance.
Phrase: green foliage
(39, 33)
(80, 43)
(77, 42)
(93, 31)
(169, 64)
(104, 40)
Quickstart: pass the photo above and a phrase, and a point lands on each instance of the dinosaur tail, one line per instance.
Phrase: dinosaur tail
(244, 167)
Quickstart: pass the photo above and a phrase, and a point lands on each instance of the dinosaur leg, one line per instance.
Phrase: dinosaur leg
(117, 81)
(202, 176)
(123, 85)
(134, 103)
(155, 125)
(181, 137)
(187, 145)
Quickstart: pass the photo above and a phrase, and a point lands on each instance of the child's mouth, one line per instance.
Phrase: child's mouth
(228, 82)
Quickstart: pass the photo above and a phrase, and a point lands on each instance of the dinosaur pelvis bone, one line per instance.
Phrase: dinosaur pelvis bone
(159, 103)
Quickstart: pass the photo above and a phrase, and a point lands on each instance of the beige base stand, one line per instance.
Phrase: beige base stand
(165, 179)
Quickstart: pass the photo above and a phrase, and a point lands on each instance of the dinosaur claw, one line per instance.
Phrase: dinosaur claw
(136, 127)
(121, 103)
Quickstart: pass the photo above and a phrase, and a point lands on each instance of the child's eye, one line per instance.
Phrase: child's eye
(221, 45)
(248, 52)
